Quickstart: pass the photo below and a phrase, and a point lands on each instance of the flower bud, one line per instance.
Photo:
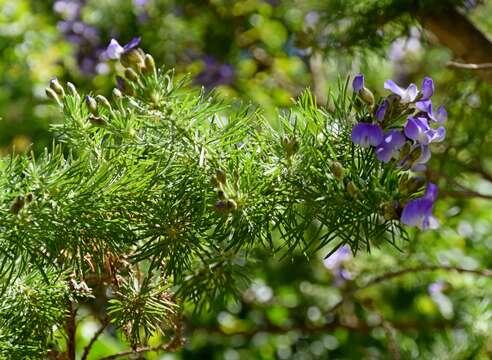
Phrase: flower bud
(389, 210)
(125, 86)
(17, 205)
(131, 75)
(72, 90)
(412, 185)
(220, 175)
(50, 93)
(56, 87)
(367, 96)
(132, 58)
(117, 95)
(337, 170)
(221, 194)
(149, 68)
(290, 145)
(231, 205)
(91, 104)
(97, 121)
(221, 206)
(103, 101)
(352, 189)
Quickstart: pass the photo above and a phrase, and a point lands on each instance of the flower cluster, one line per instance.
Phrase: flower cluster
(401, 130)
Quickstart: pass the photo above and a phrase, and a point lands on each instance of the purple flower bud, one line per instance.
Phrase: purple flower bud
(381, 111)
(418, 212)
(389, 148)
(407, 95)
(367, 135)
(427, 88)
(358, 83)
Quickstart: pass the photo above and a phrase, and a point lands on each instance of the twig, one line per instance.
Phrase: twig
(465, 194)
(163, 347)
(393, 274)
(458, 65)
(174, 344)
(71, 328)
(87, 349)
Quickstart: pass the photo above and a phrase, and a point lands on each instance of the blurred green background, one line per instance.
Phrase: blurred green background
(266, 53)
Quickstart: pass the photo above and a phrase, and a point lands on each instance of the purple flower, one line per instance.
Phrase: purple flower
(425, 106)
(418, 129)
(407, 95)
(367, 135)
(436, 287)
(115, 50)
(427, 88)
(381, 111)
(358, 83)
(389, 148)
(418, 212)
(140, 3)
(336, 260)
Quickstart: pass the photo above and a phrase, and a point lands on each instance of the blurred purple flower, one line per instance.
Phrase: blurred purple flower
(336, 259)
(214, 74)
(367, 135)
(425, 106)
(418, 212)
(335, 263)
(407, 95)
(140, 3)
(418, 129)
(389, 148)
(436, 287)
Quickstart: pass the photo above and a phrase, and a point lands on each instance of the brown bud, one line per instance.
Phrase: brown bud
(52, 95)
(337, 170)
(352, 189)
(72, 90)
(133, 58)
(91, 104)
(17, 205)
(56, 87)
(367, 96)
(149, 68)
(131, 75)
(221, 176)
(103, 101)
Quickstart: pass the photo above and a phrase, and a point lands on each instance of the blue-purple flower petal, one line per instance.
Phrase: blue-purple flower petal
(427, 88)
(367, 135)
(406, 95)
(358, 83)
(418, 212)
(114, 50)
(390, 147)
(132, 44)
(381, 110)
